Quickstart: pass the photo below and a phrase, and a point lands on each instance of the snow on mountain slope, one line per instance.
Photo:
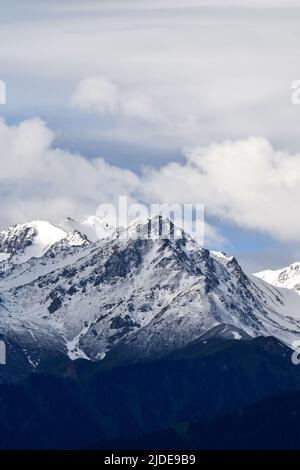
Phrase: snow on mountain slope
(57, 256)
(35, 249)
(288, 277)
(94, 228)
(29, 240)
(139, 297)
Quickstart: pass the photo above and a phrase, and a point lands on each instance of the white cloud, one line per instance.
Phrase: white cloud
(100, 95)
(246, 182)
(185, 61)
(138, 105)
(96, 94)
(39, 181)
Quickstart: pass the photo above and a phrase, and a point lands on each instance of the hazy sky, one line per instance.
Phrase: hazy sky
(199, 92)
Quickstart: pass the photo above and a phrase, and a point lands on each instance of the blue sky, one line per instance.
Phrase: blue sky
(144, 84)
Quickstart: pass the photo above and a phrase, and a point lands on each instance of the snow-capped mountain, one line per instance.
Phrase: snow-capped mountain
(32, 240)
(28, 240)
(93, 227)
(131, 297)
(288, 277)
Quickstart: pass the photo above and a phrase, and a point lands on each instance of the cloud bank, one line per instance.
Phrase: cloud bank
(246, 183)
(38, 181)
(177, 72)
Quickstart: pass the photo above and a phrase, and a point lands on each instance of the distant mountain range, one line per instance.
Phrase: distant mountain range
(65, 292)
(155, 324)
(288, 277)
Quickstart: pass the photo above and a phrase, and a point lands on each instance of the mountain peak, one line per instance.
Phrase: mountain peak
(32, 239)
(93, 227)
(156, 228)
(288, 277)
(147, 295)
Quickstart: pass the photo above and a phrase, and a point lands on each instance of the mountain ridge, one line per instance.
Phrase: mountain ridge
(133, 297)
(287, 277)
